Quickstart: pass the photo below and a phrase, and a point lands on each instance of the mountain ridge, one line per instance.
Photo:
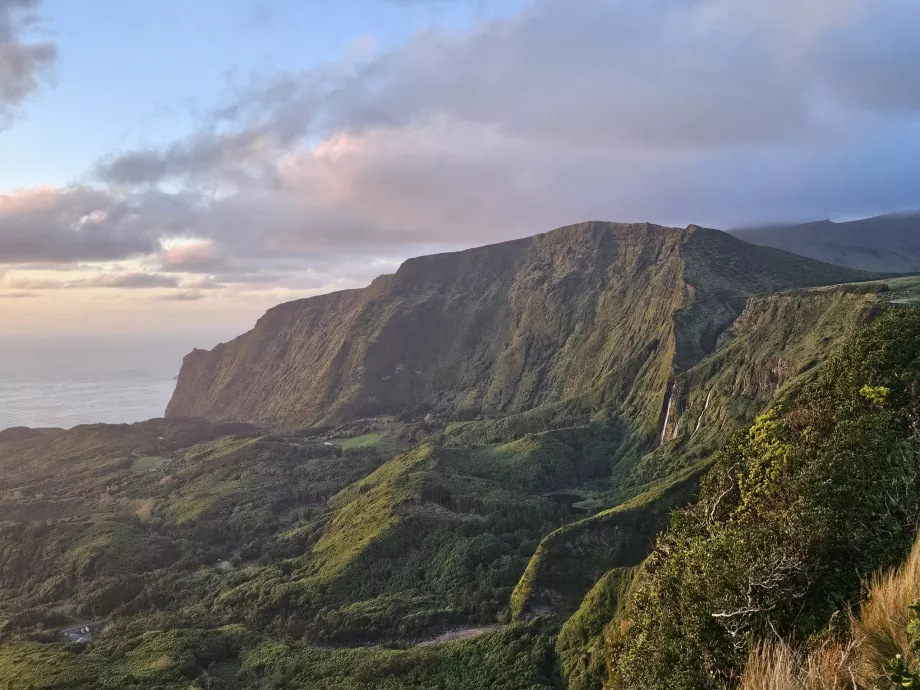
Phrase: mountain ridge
(886, 243)
(596, 314)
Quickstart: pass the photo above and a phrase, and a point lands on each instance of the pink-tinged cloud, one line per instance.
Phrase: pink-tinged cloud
(674, 111)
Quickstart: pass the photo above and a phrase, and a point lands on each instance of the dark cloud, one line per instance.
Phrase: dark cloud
(86, 224)
(230, 155)
(82, 223)
(22, 61)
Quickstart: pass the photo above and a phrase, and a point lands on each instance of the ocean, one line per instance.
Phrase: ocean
(53, 381)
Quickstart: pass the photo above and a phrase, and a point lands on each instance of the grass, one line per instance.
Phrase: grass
(860, 660)
(147, 464)
(580, 644)
(187, 508)
(511, 659)
(301, 512)
(884, 617)
(379, 442)
(570, 560)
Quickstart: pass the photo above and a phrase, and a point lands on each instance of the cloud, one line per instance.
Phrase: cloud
(18, 295)
(128, 281)
(23, 62)
(202, 283)
(28, 283)
(125, 281)
(675, 111)
(182, 296)
(660, 75)
(82, 223)
(193, 255)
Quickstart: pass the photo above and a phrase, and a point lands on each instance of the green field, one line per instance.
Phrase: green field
(147, 464)
(379, 442)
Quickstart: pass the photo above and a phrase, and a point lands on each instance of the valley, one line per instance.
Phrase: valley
(481, 471)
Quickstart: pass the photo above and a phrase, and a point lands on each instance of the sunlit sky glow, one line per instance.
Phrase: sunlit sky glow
(182, 165)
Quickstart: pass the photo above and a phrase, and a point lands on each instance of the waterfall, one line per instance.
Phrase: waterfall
(699, 421)
(667, 414)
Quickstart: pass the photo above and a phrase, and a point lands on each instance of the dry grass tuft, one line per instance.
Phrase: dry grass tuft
(884, 616)
(777, 666)
(860, 662)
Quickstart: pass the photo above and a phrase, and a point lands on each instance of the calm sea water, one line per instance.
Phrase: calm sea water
(65, 381)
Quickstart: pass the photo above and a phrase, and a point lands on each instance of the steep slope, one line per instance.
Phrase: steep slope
(593, 316)
(795, 512)
(889, 243)
(771, 350)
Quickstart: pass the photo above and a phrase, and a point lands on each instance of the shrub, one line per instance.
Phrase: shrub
(794, 512)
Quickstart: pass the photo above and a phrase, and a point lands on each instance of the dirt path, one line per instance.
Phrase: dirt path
(460, 634)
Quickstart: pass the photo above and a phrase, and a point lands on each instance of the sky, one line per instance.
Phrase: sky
(183, 165)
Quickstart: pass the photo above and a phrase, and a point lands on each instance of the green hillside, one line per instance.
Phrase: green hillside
(551, 540)
(795, 513)
(593, 316)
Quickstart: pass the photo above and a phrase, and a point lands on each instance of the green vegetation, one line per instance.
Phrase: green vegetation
(570, 560)
(592, 317)
(147, 464)
(794, 511)
(232, 658)
(580, 644)
(487, 451)
(378, 442)
(875, 646)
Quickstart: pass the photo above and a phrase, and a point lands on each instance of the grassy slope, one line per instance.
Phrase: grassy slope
(212, 498)
(813, 485)
(773, 347)
(76, 522)
(234, 658)
(770, 350)
(883, 628)
(570, 560)
(580, 644)
(438, 533)
(597, 315)
(353, 547)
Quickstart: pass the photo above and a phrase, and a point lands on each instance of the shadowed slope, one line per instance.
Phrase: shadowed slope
(888, 243)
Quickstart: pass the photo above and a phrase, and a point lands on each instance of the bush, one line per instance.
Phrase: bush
(794, 512)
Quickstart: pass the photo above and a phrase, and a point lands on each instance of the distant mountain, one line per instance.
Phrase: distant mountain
(889, 243)
(588, 317)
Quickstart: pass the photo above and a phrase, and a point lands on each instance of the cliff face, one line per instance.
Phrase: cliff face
(596, 315)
